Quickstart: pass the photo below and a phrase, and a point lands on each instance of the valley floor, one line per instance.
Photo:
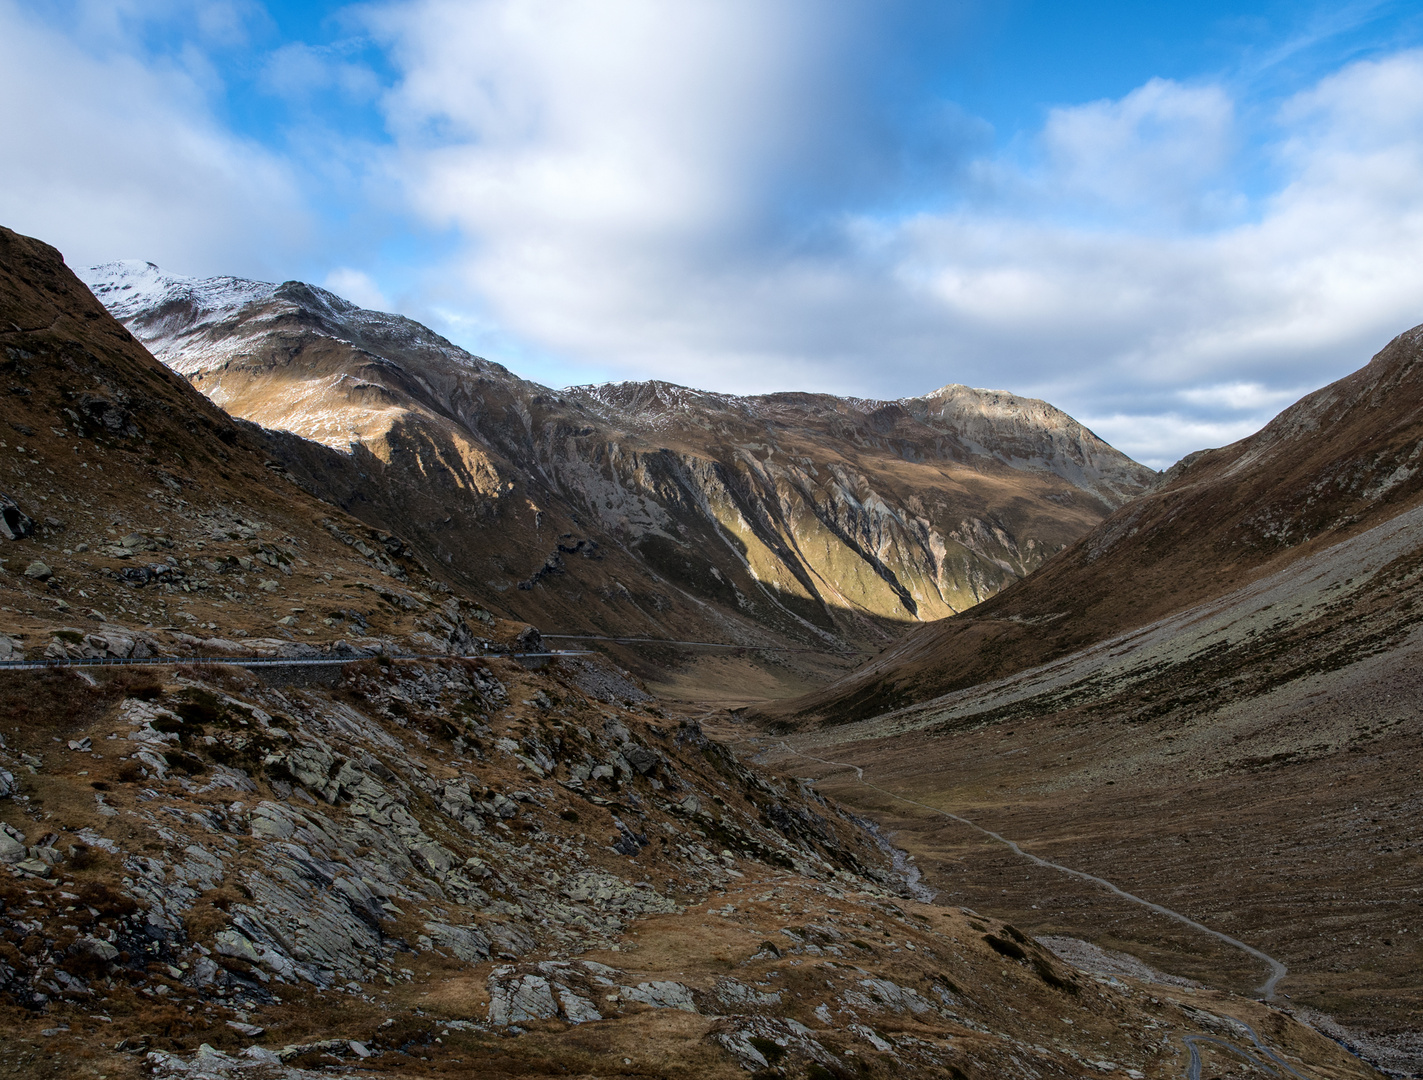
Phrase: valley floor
(1290, 824)
(456, 868)
(1249, 764)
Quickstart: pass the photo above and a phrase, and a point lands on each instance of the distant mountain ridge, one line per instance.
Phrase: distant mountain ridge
(1341, 460)
(642, 508)
(1021, 433)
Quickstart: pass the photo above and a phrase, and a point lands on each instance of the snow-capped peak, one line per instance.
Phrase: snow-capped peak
(130, 286)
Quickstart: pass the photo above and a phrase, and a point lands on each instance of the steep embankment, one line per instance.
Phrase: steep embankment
(140, 518)
(642, 509)
(1209, 702)
(1343, 459)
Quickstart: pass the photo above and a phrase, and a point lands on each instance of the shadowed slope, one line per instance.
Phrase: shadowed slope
(1340, 461)
(143, 519)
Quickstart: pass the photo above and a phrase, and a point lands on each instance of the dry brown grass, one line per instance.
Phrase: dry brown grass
(38, 705)
(209, 912)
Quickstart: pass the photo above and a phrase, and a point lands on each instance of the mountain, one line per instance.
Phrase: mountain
(1341, 461)
(643, 509)
(1209, 700)
(149, 521)
(437, 865)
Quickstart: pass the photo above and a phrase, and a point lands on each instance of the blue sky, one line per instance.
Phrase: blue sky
(1169, 219)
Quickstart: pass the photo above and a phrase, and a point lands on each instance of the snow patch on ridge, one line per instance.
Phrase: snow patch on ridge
(199, 326)
(129, 287)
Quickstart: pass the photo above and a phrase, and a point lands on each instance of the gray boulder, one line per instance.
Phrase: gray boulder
(94, 948)
(661, 995)
(527, 998)
(11, 850)
(14, 523)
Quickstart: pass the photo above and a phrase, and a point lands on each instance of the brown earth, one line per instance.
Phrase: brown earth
(159, 520)
(1315, 862)
(1210, 701)
(792, 954)
(1250, 761)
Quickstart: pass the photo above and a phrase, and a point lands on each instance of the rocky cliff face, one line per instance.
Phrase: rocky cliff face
(640, 508)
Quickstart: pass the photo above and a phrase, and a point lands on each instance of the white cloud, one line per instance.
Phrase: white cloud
(562, 125)
(358, 287)
(608, 162)
(122, 25)
(1324, 275)
(114, 155)
(296, 70)
(1156, 439)
(618, 173)
(1241, 396)
(1156, 148)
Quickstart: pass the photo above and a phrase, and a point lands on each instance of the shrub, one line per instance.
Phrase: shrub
(772, 1052)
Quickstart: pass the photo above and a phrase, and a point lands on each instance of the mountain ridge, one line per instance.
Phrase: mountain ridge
(788, 520)
(156, 307)
(1343, 458)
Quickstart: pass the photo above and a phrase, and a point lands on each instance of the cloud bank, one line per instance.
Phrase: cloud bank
(619, 177)
(743, 195)
(109, 149)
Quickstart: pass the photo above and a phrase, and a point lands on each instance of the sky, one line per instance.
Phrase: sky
(1171, 220)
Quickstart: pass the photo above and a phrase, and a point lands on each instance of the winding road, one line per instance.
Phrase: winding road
(700, 644)
(1266, 990)
(260, 661)
(1193, 1069)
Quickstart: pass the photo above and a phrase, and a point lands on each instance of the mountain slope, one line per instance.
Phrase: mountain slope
(1340, 461)
(143, 519)
(643, 509)
(413, 865)
(1210, 701)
